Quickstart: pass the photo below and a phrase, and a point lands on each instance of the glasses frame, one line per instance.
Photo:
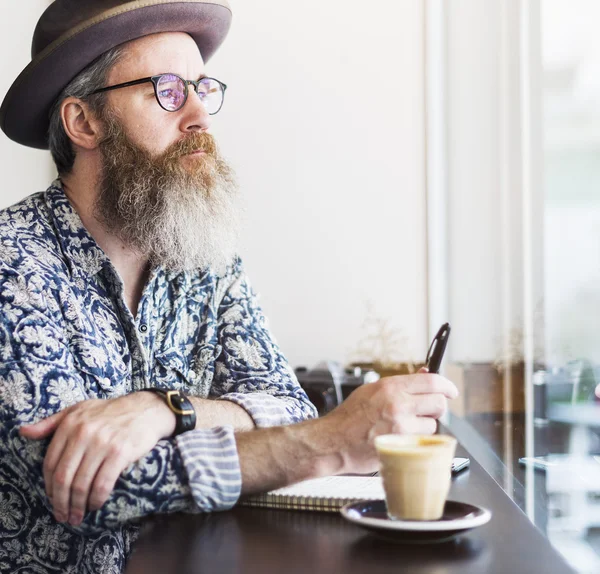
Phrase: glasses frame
(156, 79)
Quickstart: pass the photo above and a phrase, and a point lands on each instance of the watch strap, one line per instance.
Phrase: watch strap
(181, 406)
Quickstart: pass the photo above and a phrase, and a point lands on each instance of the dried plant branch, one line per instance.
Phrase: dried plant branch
(514, 353)
(382, 344)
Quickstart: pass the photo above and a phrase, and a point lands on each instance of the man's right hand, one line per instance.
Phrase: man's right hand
(343, 440)
(407, 404)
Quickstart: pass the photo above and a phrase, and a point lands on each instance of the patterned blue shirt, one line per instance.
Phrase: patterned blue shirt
(66, 335)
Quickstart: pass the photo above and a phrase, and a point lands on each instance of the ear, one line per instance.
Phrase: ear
(80, 124)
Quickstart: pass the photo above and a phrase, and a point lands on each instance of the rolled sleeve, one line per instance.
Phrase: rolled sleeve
(267, 410)
(211, 461)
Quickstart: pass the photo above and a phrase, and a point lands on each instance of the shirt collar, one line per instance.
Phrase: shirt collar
(83, 253)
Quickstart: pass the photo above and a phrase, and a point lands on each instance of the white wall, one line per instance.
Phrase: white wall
(324, 123)
(24, 171)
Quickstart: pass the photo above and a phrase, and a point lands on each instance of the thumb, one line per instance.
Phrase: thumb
(45, 427)
(423, 370)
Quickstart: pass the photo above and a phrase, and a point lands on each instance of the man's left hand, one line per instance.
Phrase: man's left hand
(93, 442)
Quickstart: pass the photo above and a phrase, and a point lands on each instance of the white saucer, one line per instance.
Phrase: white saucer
(458, 517)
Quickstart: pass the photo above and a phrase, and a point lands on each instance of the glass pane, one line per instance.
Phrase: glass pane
(524, 258)
(567, 403)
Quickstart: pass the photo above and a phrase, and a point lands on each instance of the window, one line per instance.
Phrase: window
(514, 223)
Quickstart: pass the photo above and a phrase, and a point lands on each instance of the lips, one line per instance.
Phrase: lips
(194, 152)
(195, 144)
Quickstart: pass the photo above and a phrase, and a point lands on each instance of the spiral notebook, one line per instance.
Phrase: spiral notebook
(326, 494)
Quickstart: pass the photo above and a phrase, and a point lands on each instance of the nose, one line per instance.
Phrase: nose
(195, 118)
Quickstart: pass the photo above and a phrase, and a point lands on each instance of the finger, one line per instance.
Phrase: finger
(82, 484)
(53, 456)
(413, 425)
(426, 425)
(423, 370)
(105, 480)
(427, 383)
(433, 405)
(63, 477)
(45, 427)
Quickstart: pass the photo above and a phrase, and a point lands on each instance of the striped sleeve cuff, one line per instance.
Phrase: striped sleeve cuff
(211, 461)
(267, 410)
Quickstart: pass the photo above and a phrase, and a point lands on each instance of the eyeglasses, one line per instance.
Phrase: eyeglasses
(171, 91)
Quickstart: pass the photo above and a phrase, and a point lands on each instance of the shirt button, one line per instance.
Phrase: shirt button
(143, 327)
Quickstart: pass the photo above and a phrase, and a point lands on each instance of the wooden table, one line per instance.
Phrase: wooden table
(249, 540)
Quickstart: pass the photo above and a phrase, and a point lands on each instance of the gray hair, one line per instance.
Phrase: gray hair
(92, 78)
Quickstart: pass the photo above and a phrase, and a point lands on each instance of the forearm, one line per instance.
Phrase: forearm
(275, 457)
(212, 413)
(273, 407)
(209, 413)
(247, 411)
(167, 478)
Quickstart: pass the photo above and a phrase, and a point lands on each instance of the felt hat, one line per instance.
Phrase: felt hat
(71, 34)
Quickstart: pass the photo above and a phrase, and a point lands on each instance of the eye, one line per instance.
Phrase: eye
(171, 92)
(202, 93)
(168, 93)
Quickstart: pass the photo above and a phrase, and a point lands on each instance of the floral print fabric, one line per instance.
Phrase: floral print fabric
(66, 335)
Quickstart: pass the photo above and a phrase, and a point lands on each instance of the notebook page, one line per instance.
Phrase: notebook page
(359, 487)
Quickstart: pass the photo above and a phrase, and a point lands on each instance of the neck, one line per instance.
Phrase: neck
(82, 191)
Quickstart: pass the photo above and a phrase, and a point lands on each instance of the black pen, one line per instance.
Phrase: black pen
(437, 349)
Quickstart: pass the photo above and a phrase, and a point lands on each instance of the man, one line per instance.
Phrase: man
(121, 280)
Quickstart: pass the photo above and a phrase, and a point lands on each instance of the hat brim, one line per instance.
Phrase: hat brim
(24, 114)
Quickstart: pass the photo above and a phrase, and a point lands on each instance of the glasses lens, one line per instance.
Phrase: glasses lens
(211, 94)
(170, 90)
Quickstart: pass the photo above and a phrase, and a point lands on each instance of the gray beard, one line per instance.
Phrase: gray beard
(177, 218)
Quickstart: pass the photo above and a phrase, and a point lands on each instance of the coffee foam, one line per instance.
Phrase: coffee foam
(408, 443)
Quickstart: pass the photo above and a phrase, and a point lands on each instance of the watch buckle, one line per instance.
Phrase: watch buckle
(177, 410)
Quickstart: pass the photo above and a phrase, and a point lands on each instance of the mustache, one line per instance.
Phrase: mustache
(194, 142)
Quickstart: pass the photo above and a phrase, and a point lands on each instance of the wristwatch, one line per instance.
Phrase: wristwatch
(180, 404)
